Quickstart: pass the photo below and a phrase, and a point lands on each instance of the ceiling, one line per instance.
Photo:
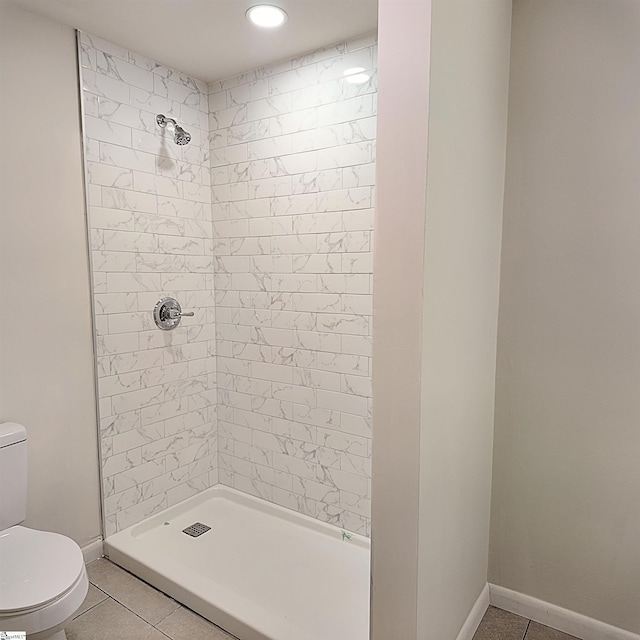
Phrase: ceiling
(212, 39)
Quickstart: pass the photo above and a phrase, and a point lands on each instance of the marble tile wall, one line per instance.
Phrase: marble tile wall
(292, 173)
(151, 236)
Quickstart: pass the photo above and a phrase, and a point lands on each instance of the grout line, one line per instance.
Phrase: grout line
(142, 582)
(94, 605)
(137, 614)
(526, 630)
(180, 606)
(99, 589)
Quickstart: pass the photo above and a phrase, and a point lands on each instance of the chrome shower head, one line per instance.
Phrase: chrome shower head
(180, 136)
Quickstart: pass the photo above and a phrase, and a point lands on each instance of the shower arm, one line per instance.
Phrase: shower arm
(163, 121)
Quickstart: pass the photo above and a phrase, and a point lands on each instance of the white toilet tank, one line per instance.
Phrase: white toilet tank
(13, 474)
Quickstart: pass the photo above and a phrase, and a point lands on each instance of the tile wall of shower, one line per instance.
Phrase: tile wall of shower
(262, 226)
(150, 225)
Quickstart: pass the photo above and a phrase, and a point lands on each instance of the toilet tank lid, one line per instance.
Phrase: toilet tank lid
(11, 433)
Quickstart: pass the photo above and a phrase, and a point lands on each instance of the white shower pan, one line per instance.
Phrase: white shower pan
(261, 572)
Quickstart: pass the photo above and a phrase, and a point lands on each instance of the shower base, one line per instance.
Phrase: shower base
(261, 572)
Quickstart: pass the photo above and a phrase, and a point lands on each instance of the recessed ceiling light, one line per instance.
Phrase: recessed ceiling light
(266, 15)
(355, 75)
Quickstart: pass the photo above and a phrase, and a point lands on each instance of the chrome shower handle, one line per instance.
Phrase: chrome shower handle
(167, 314)
(178, 313)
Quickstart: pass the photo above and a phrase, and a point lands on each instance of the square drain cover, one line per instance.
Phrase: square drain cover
(196, 529)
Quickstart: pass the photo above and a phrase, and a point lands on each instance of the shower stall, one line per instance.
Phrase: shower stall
(230, 232)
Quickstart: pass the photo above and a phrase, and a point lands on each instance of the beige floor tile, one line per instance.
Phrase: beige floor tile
(94, 597)
(145, 601)
(184, 624)
(540, 632)
(501, 625)
(109, 620)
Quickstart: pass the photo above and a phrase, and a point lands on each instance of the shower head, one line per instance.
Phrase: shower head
(180, 136)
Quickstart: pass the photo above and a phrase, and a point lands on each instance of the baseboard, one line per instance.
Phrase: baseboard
(475, 615)
(92, 551)
(575, 624)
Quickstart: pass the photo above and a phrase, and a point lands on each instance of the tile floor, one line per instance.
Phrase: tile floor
(119, 605)
(502, 625)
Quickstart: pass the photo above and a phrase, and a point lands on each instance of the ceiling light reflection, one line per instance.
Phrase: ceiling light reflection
(356, 75)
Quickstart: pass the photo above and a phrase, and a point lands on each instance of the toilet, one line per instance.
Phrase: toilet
(43, 580)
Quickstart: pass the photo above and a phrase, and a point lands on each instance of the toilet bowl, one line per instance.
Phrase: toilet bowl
(43, 580)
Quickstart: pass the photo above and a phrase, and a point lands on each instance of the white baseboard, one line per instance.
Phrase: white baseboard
(575, 624)
(475, 615)
(92, 551)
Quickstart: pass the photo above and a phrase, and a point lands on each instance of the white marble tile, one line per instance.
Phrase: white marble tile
(126, 158)
(343, 480)
(333, 172)
(357, 345)
(139, 474)
(137, 437)
(345, 155)
(357, 304)
(118, 463)
(88, 56)
(124, 114)
(109, 176)
(346, 323)
(356, 425)
(294, 79)
(102, 218)
(246, 92)
(359, 465)
(107, 131)
(115, 198)
(346, 199)
(357, 262)
(294, 466)
(113, 261)
(94, 195)
(326, 180)
(343, 363)
(293, 122)
(114, 66)
(346, 110)
(126, 183)
(114, 302)
(289, 169)
(344, 402)
(103, 86)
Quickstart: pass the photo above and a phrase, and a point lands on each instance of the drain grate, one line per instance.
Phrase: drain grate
(196, 529)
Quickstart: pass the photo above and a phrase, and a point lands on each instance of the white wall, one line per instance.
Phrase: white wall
(46, 356)
(465, 186)
(401, 172)
(436, 300)
(566, 500)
